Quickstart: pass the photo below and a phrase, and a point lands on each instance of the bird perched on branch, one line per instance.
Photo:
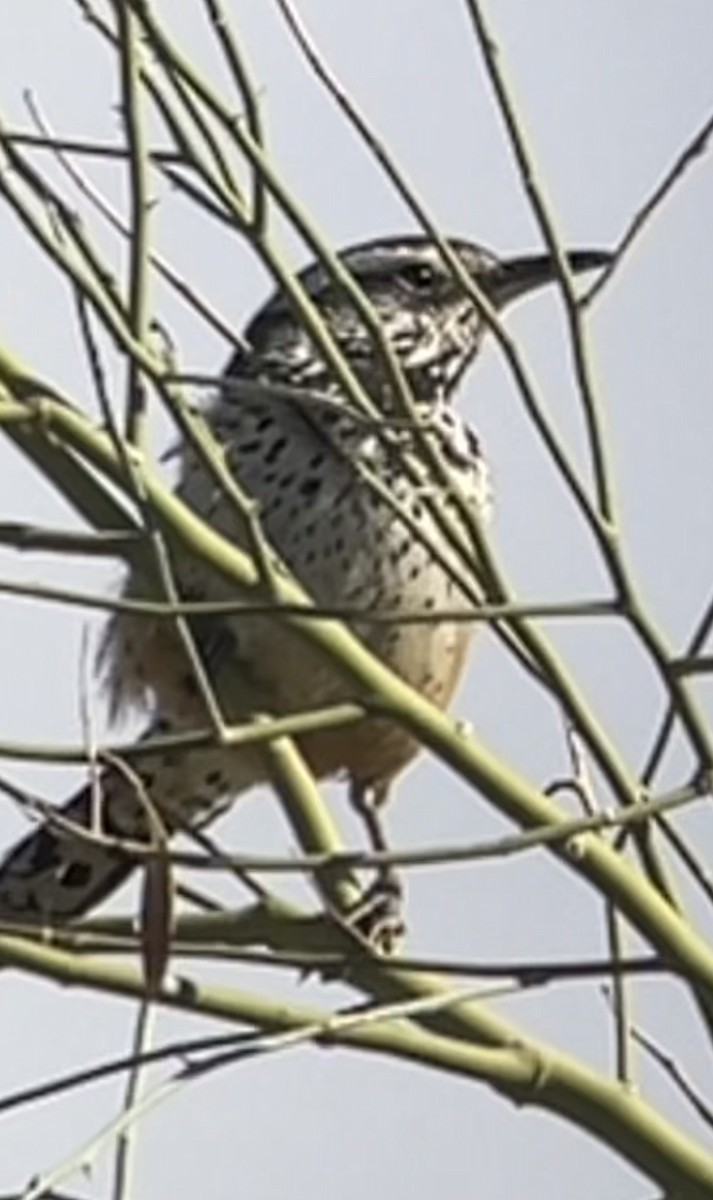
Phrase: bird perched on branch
(352, 499)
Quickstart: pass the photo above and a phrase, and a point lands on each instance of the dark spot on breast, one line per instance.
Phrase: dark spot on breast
(399, 553)
(310, 487)
(46, 852)
(189, 686)
(76, 875)
(275, 450)
(264, 423)
(473, 442)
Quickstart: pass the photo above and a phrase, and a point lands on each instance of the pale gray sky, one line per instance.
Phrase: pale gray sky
(610, 92)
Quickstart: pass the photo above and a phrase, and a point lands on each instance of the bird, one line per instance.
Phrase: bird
(342, 496)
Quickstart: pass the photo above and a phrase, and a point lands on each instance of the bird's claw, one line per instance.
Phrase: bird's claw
(378, 916)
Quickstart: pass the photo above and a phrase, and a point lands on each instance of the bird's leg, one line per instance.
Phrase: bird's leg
(379, 913)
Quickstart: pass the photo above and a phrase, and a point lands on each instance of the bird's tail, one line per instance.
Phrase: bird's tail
(73, 862)
(67, 866)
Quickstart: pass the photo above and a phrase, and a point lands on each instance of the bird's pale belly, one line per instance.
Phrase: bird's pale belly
(354, 557)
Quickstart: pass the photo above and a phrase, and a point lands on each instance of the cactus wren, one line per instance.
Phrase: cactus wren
(301, 462)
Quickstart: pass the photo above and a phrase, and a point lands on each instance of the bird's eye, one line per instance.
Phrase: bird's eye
(419, 276)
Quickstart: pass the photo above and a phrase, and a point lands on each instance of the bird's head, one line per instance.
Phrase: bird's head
(430, 320)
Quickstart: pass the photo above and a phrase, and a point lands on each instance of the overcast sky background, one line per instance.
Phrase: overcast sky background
(610, 93)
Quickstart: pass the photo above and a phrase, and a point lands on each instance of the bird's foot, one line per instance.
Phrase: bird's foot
(377, 918)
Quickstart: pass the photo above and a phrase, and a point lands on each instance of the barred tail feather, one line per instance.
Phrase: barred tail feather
(55, 874)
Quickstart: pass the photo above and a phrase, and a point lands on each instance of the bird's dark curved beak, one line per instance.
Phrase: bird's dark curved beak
(515, 277)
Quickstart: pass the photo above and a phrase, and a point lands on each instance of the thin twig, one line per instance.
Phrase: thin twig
(542, 210)
(79, 147)
(247, 92)
(547, 835)
(697, 641)
(126, 1139)
(100, 543)
(693, 150)
(676, 1074)
(62, 150)
(112, 545)
(139, 204)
